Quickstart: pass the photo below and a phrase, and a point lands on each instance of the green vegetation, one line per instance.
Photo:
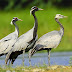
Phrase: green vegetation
(46, 23)
(54, 68)
(19, 4)
(70, 61)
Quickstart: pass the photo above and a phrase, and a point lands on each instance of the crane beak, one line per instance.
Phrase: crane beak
(40, 9)
(20, 20)
(65, 16)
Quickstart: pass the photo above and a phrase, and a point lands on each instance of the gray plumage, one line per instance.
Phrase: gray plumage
(20, 45)
(25, 41)
(49, 40)
(8, 41)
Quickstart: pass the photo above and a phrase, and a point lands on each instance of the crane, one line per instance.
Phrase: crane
(25, 41)
(49, 40)
(6, 42)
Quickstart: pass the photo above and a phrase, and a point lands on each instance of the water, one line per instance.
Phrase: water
(57, 58)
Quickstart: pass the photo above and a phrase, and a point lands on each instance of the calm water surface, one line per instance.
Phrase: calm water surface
(57, 58)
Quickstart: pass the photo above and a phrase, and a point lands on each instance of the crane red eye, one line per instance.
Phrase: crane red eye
(15, 18)
(36, 8)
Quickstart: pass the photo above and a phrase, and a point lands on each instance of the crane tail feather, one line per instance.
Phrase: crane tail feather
(7, 57)
(1, 55)
(33, 51)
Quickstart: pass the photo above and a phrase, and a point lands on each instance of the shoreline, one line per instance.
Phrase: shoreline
(53, 68)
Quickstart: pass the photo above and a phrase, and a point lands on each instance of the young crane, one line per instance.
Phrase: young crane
(25, 41)
(49, 40)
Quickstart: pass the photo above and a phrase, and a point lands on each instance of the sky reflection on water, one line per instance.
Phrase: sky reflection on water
(57, 58)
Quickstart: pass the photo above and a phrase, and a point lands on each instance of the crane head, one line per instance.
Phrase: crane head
(34, 8)
(15, 19)
(58, 16)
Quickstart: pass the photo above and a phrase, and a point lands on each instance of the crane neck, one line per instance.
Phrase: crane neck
(16, 28)
(35, 26)
(61, 27)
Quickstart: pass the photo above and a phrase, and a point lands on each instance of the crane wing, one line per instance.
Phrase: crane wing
(23, 41)
(9, 37)
(21, 44)
(7, 42)
(49, 40)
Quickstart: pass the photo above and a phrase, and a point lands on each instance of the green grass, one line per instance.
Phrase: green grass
(45, 68)
(46, 23)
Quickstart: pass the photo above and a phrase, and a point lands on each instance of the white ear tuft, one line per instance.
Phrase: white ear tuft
(11, 23)
(30, 12)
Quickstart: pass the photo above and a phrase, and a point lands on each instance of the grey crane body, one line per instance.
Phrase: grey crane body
(22, 41)
(21, 44)
(25, 42)
(49, 40)
(8, 41)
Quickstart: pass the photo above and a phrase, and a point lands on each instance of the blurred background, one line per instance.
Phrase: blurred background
(46, 21)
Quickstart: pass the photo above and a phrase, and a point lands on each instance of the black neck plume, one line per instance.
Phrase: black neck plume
(35, 26)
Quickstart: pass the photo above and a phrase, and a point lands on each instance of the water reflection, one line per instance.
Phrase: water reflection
(57, 58)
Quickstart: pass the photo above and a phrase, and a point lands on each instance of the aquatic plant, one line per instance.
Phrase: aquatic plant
(70, 61)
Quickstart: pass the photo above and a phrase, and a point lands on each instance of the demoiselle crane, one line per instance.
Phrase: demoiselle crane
(25, 41)
(7, 42)
(49, 40)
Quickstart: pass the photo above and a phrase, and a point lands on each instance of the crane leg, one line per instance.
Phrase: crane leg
(30, 57)
(12, 61)
(5, 60)
(23, 56)
(49, 56)
(9, 61)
